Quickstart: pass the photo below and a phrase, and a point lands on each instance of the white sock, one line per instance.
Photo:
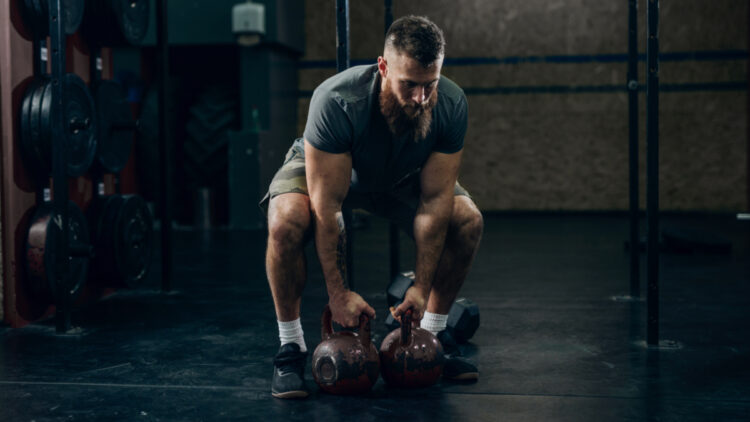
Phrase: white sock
(291, 332)
(434, 323)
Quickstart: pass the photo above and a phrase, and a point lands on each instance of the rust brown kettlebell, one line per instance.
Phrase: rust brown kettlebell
(345, 362)
(411, 357)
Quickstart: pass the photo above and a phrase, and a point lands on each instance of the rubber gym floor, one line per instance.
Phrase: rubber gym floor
(554, 341)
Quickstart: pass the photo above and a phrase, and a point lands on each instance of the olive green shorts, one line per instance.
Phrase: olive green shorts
(398, 205)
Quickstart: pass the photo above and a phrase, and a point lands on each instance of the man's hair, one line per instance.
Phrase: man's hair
(417, 37)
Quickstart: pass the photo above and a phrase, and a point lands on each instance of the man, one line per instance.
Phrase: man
(387, 138)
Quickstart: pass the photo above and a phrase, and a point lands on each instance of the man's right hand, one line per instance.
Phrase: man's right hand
(347, 306)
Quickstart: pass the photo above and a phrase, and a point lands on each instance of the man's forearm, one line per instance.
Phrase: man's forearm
(430, 229)
(330, 241)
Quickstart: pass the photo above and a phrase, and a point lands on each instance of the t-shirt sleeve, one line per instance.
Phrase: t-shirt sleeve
(328, 127)
(451, 138)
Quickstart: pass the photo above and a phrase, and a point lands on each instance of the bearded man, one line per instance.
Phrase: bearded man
(386, 138)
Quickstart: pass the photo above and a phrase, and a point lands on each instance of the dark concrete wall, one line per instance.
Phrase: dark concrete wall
(548, 118)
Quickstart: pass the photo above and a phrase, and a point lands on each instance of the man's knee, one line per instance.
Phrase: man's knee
(467, 222)
(288, 220)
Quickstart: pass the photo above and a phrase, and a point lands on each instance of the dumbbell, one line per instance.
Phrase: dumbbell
(463, 317)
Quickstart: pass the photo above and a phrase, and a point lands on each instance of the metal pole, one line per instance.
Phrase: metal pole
(56, 54)
(635, 265)
(388, 14)
(395, 247)
(342, 35)
(165, 146)
(652, 130)
(342, 63)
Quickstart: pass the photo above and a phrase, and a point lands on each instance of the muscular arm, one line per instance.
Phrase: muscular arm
(328, 176)
(437, 180)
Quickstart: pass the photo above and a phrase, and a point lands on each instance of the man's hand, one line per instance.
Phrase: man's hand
(415, 298)
(347, 306)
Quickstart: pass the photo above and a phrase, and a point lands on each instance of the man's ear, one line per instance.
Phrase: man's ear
(382, 67)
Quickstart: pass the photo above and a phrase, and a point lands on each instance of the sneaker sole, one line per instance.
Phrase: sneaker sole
(296, 394)
(468, 376)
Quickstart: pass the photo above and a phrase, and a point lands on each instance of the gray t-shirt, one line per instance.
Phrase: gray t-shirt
(345, 116)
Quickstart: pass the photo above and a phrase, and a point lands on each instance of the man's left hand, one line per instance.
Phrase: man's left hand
(416, 299)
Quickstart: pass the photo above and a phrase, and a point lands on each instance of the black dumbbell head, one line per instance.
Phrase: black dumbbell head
(463, 319)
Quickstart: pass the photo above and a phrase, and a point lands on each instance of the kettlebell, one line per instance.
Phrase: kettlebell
(411, 357)
(345, 362)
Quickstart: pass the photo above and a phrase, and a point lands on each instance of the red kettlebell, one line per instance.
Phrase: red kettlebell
(345, 362)
(411, 357)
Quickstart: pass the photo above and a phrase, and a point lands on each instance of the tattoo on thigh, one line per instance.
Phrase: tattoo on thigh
(341, 247)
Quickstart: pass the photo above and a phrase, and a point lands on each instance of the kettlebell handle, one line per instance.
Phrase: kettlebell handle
(406, 326)
(326, 326)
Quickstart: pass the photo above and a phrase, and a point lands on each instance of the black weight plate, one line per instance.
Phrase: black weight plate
(133, 236)
(116, 127)
(73, 15)
(26, 142)
(132, 17)
(80, 139)
(41, 14)
(103, 215)
(41, 241)
(39, 151)
(78, 234)
(29, 16)
(137, 237)
(80, 125)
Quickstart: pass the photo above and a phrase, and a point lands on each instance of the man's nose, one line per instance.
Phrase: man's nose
(418, 95)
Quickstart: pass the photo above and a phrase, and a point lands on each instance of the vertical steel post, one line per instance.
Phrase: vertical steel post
(342, 63)
(393, 235)
(635, 265)
(652, 130)
(56, 54)
(388, 14)
(342, 35)
(166, 149)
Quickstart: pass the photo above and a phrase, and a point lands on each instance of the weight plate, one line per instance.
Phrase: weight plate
(45, 126)
(116, 126)
(124, 239)
(26, 143)
(133, 17)
(133, 235)
(41, 17)
(79, 125)
(73, 14)
(38, 157)
(41, 251)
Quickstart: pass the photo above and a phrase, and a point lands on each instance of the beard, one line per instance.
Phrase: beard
(411, 121)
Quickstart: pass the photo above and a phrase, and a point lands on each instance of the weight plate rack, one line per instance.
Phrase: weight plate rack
(67, 131)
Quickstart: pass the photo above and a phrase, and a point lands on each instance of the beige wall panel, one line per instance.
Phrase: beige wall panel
(549, 152)
(703, 151)
(366, 25)
(690, 25)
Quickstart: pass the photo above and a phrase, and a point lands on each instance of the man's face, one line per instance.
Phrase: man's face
(408, 93)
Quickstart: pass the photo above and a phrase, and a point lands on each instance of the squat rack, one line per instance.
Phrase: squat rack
(652, 143)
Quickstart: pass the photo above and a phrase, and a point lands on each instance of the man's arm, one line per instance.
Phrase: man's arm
(328, 178)
(437, 180)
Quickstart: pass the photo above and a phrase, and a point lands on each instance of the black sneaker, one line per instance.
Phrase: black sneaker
(457, 367)
(289, 373)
